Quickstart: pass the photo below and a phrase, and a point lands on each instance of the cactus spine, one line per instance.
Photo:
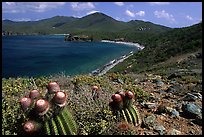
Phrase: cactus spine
(62, 124)
(127, 110)
(50, 111)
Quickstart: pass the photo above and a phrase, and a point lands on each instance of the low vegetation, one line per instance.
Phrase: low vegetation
(93, 116)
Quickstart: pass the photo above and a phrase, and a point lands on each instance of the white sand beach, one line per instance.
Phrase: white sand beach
(125, 43)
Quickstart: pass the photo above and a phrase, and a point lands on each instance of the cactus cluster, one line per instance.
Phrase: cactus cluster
(48, 114)
(122, 106)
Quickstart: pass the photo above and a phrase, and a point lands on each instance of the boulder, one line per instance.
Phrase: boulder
(149, 105)
(160, 129)
(149, 121)
(190, 97)
(174, 132)
(191, 110)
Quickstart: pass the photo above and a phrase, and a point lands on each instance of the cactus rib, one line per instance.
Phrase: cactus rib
(60, 126)
(128, 115)
(68, 122)
(71, 120)
(47, 128)
(133, 115)
(137, 115)
(123, 115)
(54, 127)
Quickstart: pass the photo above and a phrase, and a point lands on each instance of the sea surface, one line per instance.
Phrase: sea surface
(33, 56)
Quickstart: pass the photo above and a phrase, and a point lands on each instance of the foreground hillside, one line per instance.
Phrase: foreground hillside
(166, 106)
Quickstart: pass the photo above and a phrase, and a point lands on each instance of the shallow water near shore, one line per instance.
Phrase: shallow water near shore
(49, 55)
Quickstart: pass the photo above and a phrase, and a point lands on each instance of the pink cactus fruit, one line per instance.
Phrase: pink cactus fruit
(31, 126)
(60, 97)
(41, 106)
(25, 102)
(116, 98)
(129, 94)
(34, 94)
(53, 87)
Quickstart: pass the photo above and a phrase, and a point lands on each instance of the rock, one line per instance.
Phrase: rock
(190, 97)
(174, 75)
(159, 83)
(171, 89)
(191, 110)
(172, 82)
(174, 113)
(174, 132)
(198, 120)
(150, 105)
(161, 91)
(161, 109)
(198, 95)
(148, 133)
(160, 129)
(149, 121)
(198, 55)
(120, 81)
(179, 107)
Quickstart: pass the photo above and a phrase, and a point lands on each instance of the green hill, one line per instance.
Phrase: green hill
(95, 23)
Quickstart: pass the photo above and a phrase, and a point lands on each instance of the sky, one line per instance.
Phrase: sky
(170, 14)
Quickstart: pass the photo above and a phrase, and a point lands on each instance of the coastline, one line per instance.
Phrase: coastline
(125, 43)
(104, 69)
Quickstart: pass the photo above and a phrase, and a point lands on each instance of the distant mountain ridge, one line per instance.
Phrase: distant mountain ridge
(93, 23)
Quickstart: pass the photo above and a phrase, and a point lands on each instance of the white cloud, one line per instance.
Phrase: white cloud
(82, 6)
(130, 6)
(164, 14)
(23, 7)
(77, 16)
(22, 19)
(129, 13)
(189, 17)
(143, 20)
(10, 3)
(117, 18)
(91, 12)
(132, 14)
(140, 13)
(119, 3)
(159, 3)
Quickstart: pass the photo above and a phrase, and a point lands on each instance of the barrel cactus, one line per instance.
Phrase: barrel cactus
(122, 106)
(48, 114)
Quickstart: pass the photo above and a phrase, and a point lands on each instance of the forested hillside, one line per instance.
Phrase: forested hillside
(162, 47)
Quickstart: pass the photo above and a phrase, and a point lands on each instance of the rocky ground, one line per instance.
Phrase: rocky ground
(175, 104)
(168, 111)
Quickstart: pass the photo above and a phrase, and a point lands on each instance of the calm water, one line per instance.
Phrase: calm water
(49, 55)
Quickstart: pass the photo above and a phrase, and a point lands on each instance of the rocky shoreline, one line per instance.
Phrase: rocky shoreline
(101, 71)
(111, 64)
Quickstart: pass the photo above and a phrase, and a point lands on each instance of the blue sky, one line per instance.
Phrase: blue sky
(171, 14)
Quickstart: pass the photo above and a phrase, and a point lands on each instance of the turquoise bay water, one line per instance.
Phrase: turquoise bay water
(49, 55)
